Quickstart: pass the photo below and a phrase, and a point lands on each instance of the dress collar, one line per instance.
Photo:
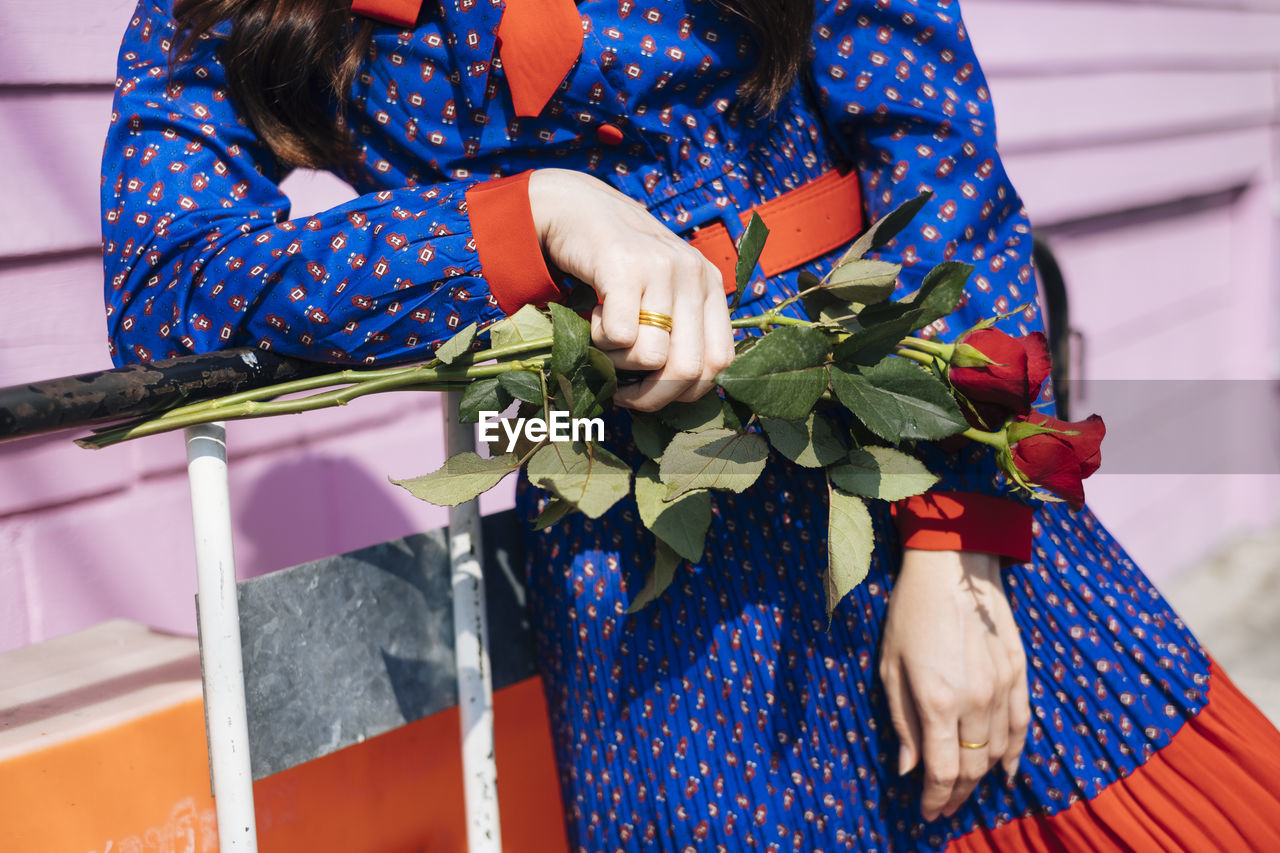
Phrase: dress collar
(539, 42)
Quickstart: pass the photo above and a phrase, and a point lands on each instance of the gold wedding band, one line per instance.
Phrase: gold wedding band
(653, 318)
(968, 745)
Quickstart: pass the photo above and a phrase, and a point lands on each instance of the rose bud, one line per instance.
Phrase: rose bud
(1058, 461)
(1008, 385)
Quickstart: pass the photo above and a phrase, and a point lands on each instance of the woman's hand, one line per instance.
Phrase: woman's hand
(594, 233)
(954, 671)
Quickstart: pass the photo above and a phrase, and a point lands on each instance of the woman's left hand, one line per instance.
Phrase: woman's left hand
(954, 670)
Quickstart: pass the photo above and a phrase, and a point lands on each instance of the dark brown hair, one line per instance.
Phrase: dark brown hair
(782, 31)
(290, 64)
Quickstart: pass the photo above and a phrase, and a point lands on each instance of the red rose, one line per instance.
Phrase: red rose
(1010, 384)
(1058, 462)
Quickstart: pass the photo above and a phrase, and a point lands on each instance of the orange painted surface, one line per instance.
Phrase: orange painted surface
(143, 787)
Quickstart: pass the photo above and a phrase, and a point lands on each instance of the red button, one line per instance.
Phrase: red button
(608, 134)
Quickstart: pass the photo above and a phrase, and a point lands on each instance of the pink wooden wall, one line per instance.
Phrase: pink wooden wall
(1103, 107)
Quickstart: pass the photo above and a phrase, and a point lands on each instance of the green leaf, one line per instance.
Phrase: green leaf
(712, 459)
(882, 472)
(939, 293)
(563, 397)
(898, 400)
(456, 345)
(850, 542)
(606, 377)
(864, 281)
(650, 434)
(729, 412)
(813, 442)
(822, 307)
(750, 245)
(584, 474)
(527, 324)
(889, 322)
(571, 335)
(555, 510)
(522, 384)
(806, 280)
(887, 227)
(965, 355)
(524, 444)
(584, 396)
(482, 395)
(681, 523)
(843, 315)
(879, 328)
(666, 561)
(814, 301)
(461, 478)
(743, 344)
(707, 412)
(783, 375)
(1018, 430)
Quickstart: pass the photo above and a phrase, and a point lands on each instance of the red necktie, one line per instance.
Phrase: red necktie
(402, 12)
(539, 43)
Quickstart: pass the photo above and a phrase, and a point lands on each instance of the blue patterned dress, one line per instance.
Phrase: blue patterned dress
(726, 716)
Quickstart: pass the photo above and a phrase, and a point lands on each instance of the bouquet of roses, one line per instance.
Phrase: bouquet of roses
(857, 351)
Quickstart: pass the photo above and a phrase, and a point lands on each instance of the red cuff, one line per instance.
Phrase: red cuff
(965, 521)
(507, 243)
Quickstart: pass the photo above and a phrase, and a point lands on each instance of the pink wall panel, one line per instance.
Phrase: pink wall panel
(52, 145)
(1125, 308)
(15, 616)
(1056, 36)
(332, 495)
(1078, 183)
(62, 41)
(1104, 108)
(127, 554)
(49, 470)
(51, 318)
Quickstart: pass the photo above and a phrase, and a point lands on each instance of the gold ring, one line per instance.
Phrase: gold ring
(653, 318)
(968, 745)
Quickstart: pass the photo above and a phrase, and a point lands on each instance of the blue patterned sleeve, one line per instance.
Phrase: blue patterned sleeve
(901, 91)
(199, 252)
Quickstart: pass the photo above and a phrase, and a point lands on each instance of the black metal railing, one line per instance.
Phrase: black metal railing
(140, 390)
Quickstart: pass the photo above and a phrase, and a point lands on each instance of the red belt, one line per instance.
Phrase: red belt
(806, 222)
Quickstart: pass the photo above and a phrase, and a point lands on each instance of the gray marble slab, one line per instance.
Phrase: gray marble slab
(355, 645)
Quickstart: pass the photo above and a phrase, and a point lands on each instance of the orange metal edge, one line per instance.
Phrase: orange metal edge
(402, 791)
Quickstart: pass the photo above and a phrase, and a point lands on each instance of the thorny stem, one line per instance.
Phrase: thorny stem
(998, 440)
(343, 377)
(913, 355)
(791, 300)
(428, 376)
(936, 348)
(767, 319)
(449, 378)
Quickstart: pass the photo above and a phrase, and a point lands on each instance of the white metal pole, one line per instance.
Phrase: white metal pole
(471, 653)
(221, 666)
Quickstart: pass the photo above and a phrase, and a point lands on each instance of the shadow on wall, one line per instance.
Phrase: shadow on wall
(312, 507)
